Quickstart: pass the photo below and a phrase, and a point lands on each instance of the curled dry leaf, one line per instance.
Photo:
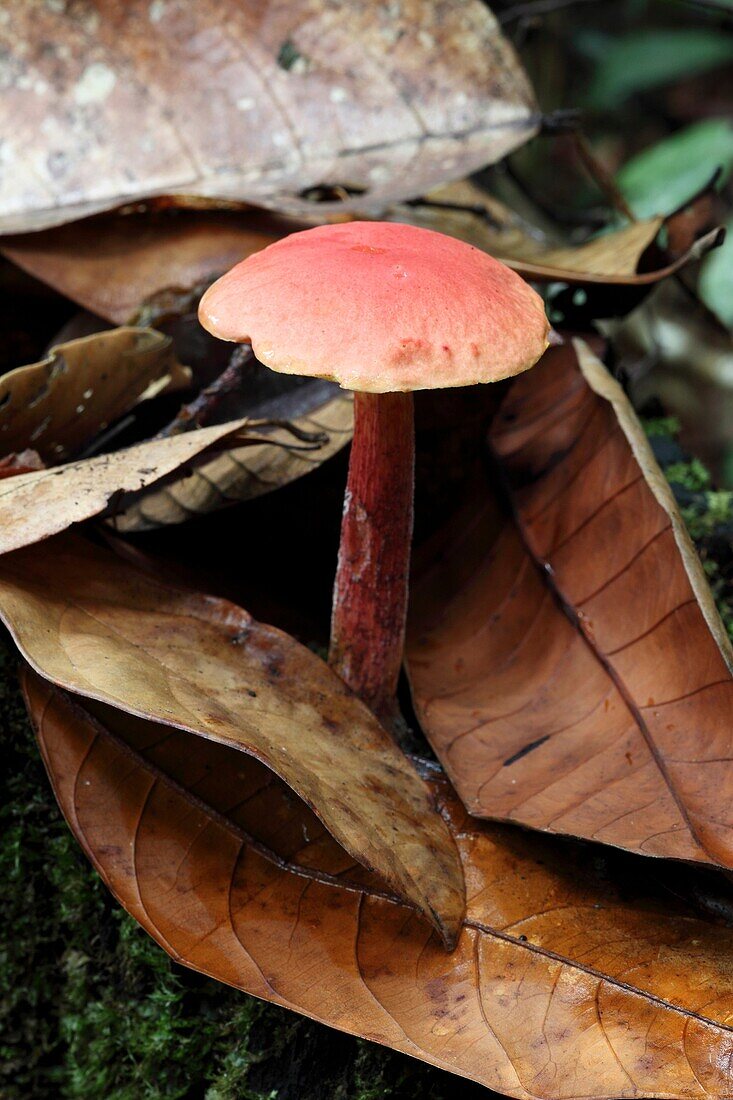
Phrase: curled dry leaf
(242, 473)
(35, 505)
(569, 980)
(570, 667)
(88, 621)
(231, 101)
(614, 258)
(63, 402)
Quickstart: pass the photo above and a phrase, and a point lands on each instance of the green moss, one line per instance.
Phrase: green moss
(708, 513)
(722, 592)
(692, 475)
(660, 426)
(90, 1007)
(711, 513)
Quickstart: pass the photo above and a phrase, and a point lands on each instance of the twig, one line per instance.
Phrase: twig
(460, 207)
(206, 402)
(319, 437)
(101, 442)
(564, 120)
(599, 174)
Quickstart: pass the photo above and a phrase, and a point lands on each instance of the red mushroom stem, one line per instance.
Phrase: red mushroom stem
(372, 576)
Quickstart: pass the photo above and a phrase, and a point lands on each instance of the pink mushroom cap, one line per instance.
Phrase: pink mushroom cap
(379, 307)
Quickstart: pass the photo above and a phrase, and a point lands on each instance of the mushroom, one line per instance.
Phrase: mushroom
(383, 309)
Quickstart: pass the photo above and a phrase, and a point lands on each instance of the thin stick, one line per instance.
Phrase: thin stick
(600, 175)
(207, 401)
(475, 208)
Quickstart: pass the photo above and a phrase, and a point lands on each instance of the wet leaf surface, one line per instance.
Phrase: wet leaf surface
(92, 623)
(228, 102)
(570, 978)
(570, 668)
(58, 405)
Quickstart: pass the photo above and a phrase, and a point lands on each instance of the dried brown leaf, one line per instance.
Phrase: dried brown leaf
(114, 264)
(612, 258)
(133, 266)
(570, 978)
(570, 668)
(66, 400)
(91, 623)
(233, 101)
(242, 473)
(35, 505)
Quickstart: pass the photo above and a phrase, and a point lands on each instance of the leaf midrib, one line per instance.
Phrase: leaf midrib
(324, 878)
(634, 710)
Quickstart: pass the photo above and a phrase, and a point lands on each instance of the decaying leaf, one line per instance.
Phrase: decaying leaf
(568, 980)
(35, 505)
(613, 258)
(90, 622)
(570, 668)
(242, 473)
(234, 102)
(61, 403)
(116, 263)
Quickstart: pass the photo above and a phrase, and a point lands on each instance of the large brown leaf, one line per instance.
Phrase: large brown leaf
(92, 623)
(570, 667)
(569, 980)
(61, 403)
(261, 102)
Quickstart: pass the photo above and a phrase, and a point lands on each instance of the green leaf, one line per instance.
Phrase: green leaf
(650, 59)
(715, 285)
(668, 174)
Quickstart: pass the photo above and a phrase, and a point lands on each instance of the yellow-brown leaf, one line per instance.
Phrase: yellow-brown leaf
(570, 979)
